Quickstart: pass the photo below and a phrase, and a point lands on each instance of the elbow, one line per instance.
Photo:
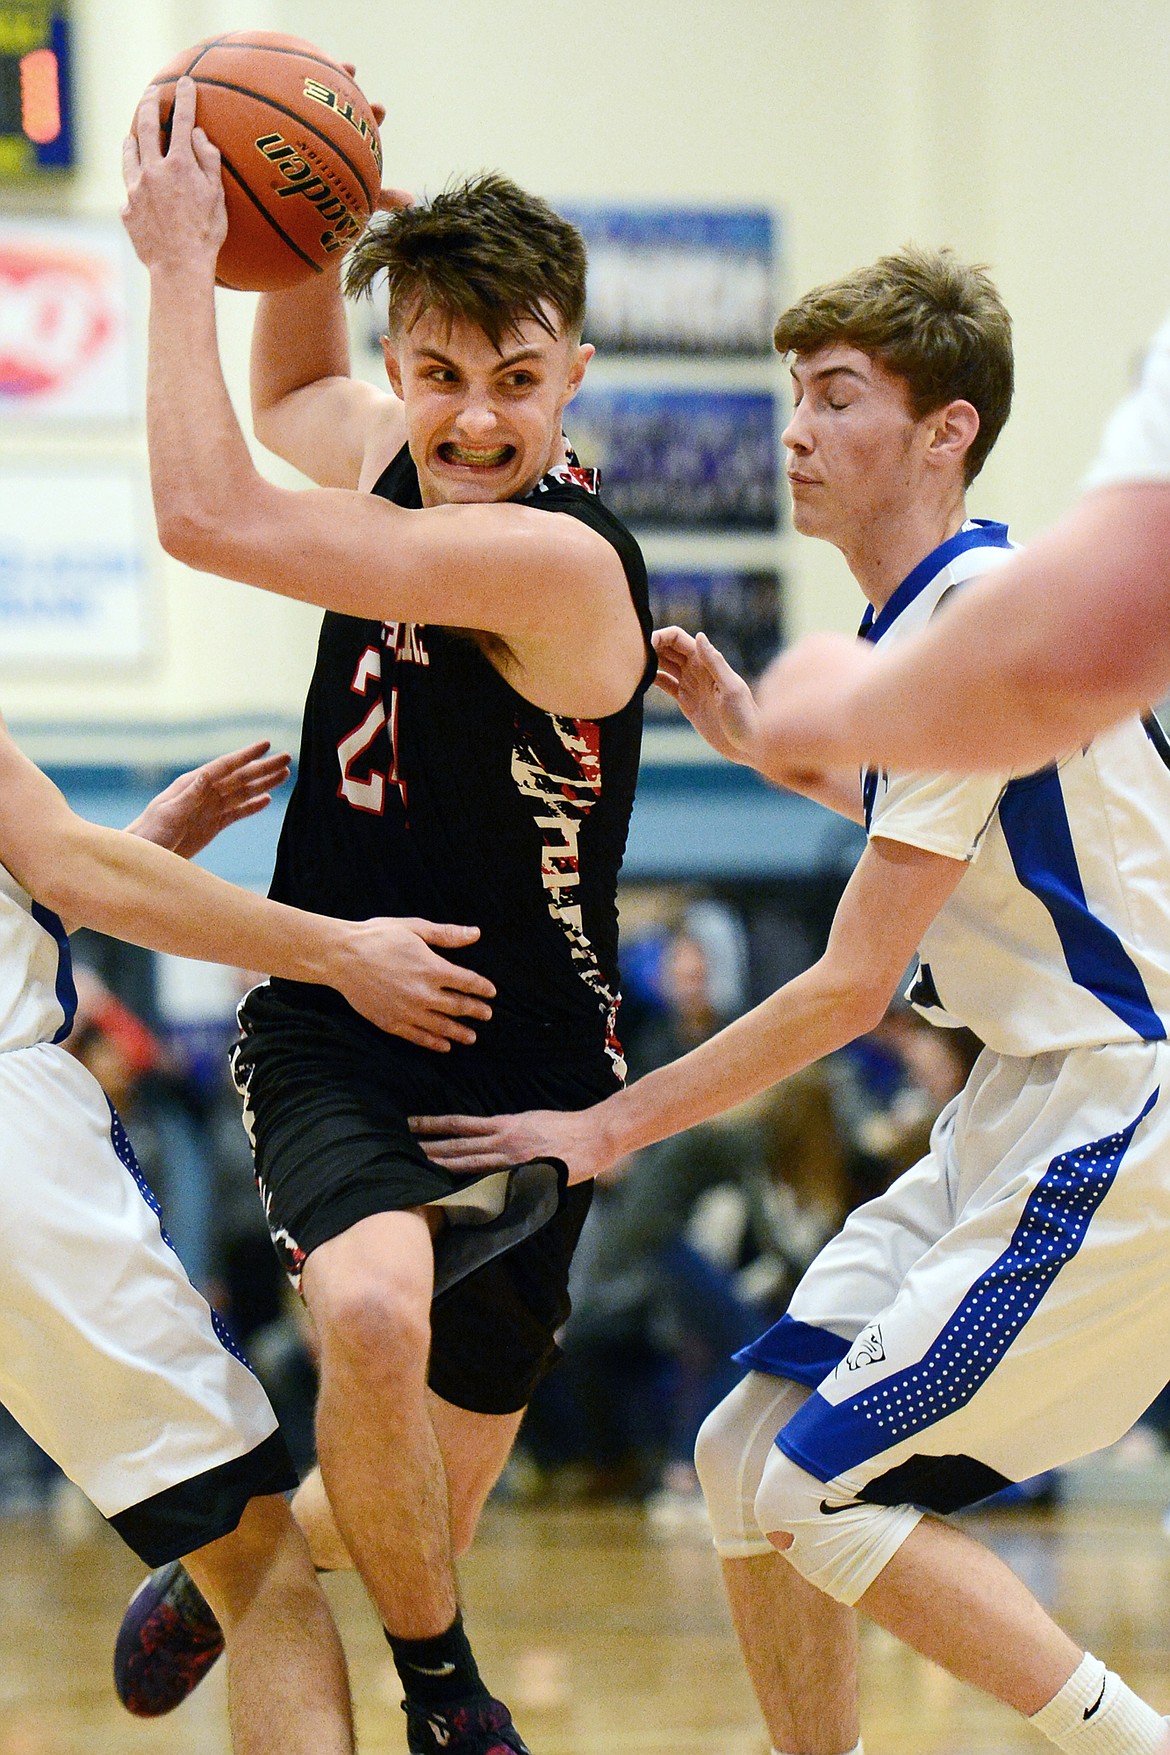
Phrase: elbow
(183, 534)
(870, 1005)
(206, 537)
(859, 1003)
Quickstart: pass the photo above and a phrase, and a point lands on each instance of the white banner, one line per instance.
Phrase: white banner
(74, 566)
(66, 347)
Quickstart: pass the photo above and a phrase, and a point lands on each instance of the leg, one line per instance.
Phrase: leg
(369, 1292)
(474, 1448)
(287, 1688)
(800, 1651)
(799, 1646)
(952, 1600)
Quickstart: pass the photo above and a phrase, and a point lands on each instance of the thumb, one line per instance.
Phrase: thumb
(452, 937)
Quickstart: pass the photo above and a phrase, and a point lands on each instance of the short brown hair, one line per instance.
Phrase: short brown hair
(484, 250)
(935, 322)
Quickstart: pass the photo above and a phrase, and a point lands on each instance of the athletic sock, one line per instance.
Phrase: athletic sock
(1096, 1714)
(439, 1671)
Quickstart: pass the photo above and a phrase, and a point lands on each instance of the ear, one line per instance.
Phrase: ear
(393, 368)
(583, 354)
(953, 430)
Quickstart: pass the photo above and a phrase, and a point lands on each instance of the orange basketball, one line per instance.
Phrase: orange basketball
(302, 162)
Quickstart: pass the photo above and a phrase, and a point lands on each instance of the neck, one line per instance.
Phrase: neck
(892, 548)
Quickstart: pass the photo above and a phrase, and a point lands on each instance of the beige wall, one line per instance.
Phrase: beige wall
(1032, 134)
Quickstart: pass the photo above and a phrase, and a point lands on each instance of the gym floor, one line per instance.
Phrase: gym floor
(603, 1633)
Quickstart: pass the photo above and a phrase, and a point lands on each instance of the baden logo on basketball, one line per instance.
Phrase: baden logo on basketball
(302, 179)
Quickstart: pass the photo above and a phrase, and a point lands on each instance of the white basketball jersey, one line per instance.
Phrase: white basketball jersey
(37, 996)
(1136, 445)
(1058, 934)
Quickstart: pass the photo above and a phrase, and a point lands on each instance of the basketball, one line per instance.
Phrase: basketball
(302, 162)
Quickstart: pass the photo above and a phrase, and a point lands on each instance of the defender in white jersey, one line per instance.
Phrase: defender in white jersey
(1072, 637)
(1000, 1310)
(109, 1358)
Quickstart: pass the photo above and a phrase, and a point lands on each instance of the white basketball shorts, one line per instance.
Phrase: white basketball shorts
(109, 1358)
(1002, 1309)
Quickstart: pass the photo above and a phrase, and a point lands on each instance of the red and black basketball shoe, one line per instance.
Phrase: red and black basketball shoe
(168, 1640)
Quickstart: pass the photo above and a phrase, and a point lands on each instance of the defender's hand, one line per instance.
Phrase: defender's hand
(466, 1143)
(175, 211)
(193, 809)
(713, 697)
(394, 978)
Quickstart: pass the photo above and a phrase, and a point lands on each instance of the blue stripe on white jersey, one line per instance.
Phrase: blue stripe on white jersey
(38, 1000)
(1035, 826)
(63, 985)
(1058, 934)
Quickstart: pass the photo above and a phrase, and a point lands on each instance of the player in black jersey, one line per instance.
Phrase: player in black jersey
(469, 750)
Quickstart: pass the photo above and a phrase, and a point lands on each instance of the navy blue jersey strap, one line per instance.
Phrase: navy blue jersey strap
(64, 986)
(978, 533)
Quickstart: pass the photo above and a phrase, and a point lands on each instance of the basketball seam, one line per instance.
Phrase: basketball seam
(275, 104)
(234, 42)
(206, 49)
(260, 208)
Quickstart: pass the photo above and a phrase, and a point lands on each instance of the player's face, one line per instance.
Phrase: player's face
(853, 445)
(483, 423)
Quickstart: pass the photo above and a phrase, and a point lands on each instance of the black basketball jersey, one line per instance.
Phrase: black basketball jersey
(428, 786)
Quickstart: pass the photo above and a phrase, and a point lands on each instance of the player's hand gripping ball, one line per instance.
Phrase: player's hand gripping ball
(302, 162)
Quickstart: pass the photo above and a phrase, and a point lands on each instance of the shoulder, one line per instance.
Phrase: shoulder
(384, 441)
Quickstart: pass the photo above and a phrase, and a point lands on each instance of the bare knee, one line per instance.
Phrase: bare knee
(369, 1292)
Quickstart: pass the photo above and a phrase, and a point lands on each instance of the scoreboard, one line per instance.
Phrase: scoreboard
(36, 107)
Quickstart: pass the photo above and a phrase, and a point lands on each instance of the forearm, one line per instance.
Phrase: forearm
(809, 1017)
(839, 790)
(131, 889)
(199, 483)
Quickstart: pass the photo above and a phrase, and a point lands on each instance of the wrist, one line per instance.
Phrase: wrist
(615, 1136)
(192, 272)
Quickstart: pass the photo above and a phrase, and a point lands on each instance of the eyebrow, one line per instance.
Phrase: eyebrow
(824, 373)
(533, 352)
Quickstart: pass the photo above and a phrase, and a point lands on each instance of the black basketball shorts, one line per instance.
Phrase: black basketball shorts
(326, 1101)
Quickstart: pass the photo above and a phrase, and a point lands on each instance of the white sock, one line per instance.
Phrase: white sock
(1096, 1714)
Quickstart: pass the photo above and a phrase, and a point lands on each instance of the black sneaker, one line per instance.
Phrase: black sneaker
(477, 1727)
(168, 1640)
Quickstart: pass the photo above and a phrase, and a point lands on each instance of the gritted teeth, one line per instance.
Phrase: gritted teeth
(473, 454)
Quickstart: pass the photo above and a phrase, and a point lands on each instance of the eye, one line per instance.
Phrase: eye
(440, 375)
(520, 380)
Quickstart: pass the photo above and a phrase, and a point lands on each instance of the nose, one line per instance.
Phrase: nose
(797, 435)
(477, 417)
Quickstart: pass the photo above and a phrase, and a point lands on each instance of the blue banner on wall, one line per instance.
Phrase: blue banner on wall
(679, 280)
(681, 459)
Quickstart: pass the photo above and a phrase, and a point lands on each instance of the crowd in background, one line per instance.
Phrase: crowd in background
(691, 1249)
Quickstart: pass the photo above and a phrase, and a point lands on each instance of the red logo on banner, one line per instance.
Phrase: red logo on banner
(56, 315)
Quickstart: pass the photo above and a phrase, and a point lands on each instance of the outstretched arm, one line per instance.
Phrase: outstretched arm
(889, 902)
(1067, 637)
(126, 886)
